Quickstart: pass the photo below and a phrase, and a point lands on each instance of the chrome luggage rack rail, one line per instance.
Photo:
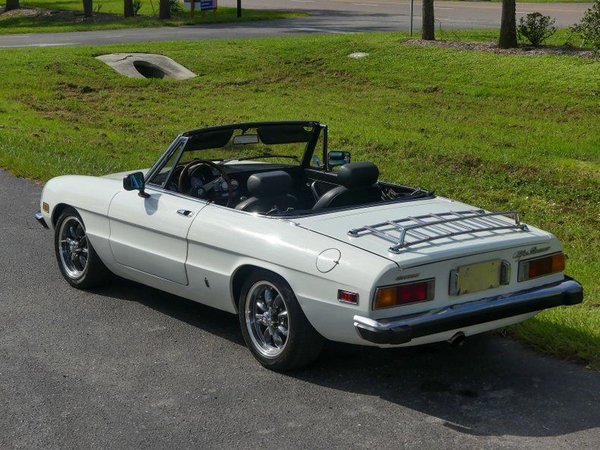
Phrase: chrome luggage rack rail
(419, 229)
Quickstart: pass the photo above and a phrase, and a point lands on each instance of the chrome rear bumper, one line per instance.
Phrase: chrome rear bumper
(402, 329)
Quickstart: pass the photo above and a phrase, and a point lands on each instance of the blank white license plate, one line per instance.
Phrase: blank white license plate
(478, 277)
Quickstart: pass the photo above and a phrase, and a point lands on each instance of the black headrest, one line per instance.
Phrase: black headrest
(269, 184)
(358, 174)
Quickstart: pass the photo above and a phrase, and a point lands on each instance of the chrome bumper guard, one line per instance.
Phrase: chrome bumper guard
(40, 218)
(402, 329)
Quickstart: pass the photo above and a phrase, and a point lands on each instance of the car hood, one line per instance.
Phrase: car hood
(120, 175)
(338, 224)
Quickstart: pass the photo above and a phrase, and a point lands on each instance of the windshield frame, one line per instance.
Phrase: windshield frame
(304, 161)
(183, 142)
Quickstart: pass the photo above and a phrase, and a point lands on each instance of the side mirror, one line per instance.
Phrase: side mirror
(135, 181)
(337, 158)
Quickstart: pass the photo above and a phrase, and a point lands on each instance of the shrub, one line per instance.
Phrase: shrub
(137, 5)
(589, 27)
(175, 7)
(536, 28)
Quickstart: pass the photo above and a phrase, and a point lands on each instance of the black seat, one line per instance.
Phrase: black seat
(358, 186)
(268, 191)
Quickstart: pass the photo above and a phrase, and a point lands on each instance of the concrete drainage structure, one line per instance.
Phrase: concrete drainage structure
(146, 65)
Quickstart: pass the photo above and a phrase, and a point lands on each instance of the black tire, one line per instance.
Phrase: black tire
(303, 343)
(94, 273)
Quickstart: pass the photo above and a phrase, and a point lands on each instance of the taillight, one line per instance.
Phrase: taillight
(538, 267)
(403, 294)
(348, 297)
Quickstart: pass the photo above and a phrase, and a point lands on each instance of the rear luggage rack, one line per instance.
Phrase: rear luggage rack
(419, 229)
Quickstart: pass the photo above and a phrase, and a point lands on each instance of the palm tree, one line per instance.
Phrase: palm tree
(12, 4)
(508, 25)
(164, 10)
(428, 31)
(88, 8)
(128, 8)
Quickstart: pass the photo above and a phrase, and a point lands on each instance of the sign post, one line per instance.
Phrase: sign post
(411, 16)
(239, 8)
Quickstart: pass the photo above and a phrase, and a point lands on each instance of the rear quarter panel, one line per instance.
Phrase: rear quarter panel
(222, 240)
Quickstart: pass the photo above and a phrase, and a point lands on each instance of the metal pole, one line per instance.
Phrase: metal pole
(239, 8)
(411, 16)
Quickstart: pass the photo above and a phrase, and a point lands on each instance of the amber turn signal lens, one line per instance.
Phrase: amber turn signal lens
(403, 294)
(539, 267)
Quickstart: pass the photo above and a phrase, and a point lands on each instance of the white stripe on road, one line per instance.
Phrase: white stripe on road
(322, 30)
(41, 44)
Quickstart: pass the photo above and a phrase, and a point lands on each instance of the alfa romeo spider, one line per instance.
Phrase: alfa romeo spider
(262, 220)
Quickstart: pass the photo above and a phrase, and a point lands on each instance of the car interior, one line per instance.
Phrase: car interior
(280, 176)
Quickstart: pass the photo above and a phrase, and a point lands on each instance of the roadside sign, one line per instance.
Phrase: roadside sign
(200, 5)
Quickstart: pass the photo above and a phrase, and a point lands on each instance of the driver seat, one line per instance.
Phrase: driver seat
(268, 191)
(358, 186)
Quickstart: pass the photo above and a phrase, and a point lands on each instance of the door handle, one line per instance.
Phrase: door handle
(185, 212)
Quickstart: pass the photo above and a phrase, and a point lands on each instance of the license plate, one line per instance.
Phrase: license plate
(475, 277)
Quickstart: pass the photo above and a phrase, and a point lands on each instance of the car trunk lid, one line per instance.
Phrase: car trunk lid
(338, 225)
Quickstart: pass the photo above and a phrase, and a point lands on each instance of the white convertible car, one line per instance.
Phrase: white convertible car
(261, 220)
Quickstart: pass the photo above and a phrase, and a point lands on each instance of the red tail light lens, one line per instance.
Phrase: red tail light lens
(348, 297)
(539, 267)
(402, 294)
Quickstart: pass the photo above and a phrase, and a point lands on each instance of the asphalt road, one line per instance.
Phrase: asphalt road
(326, 16)
(129, 366)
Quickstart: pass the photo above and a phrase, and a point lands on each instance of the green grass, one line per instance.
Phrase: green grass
(111, 17)
(562, 37)
(495, 130)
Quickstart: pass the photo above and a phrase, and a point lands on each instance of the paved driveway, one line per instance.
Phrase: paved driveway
(129, 366)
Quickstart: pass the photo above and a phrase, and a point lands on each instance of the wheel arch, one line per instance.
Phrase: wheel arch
(239, 276)
(58, 210)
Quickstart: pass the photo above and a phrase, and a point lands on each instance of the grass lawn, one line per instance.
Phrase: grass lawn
(495, 130)
(111, 17)
(562, 37)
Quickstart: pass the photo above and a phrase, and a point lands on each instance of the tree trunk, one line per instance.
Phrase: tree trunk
(164, 10)
(128, 8)
(88, 8)
(12, 4)
(428, 32)
(508, 25)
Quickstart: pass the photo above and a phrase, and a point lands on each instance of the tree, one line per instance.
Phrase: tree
(428, 31)
(12, 4)
(164, 10)
(88, 8)
(128, 8)
(508, 25)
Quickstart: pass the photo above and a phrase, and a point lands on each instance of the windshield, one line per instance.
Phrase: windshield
(285, 144)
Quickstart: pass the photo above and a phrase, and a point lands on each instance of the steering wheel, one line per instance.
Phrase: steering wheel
(189, 168)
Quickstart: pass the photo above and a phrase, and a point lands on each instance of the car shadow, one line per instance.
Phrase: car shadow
(490, 386)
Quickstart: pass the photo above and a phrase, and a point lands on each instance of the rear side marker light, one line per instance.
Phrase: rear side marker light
(538, 267)
(348, 297)
(404, 294)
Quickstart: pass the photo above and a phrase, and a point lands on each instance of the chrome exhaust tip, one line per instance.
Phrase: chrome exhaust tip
(458, 339)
